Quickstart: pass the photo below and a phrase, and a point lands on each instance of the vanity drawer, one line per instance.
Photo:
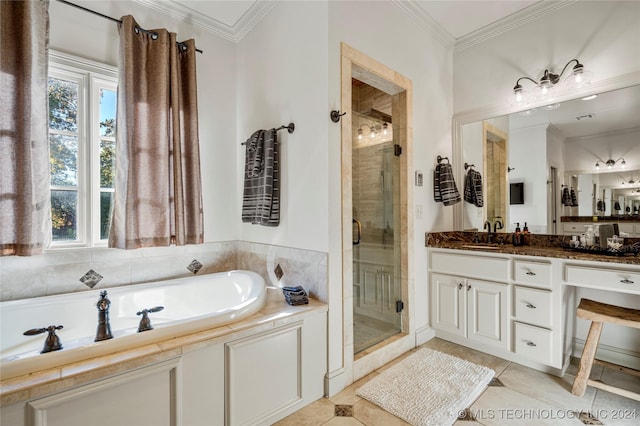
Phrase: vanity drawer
(533, 273)
(619, 279)
(532, 306)
(532, 342)
(483, 267)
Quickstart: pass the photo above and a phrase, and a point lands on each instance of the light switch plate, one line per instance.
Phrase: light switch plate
(418, 177)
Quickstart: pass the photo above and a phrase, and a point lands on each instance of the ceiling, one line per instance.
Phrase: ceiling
(477, 14)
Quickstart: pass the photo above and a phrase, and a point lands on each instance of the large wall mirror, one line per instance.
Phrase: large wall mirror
(587, 149)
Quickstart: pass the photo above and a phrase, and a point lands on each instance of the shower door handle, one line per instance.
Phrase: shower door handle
(357, 241)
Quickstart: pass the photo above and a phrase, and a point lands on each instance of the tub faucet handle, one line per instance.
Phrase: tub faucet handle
(145, 322)
(52, 342)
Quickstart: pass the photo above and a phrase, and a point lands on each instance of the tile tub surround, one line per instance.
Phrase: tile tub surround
(541, 245)
(60, 271)
(275, 313)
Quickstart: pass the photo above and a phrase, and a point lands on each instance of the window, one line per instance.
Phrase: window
(82, 126)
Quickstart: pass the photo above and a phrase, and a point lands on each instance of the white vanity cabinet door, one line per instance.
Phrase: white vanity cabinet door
(533, 342)
(448, 297)
(487, 312)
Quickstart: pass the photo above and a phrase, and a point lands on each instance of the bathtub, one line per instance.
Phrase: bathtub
(190, 304)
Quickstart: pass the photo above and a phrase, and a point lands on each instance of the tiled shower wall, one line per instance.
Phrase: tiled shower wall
(60, 271)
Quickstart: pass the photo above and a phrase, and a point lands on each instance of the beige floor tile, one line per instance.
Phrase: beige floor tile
(504, 406)
(348, 395)
(545, 387)
(496, 364)
(372, 415)
(596, 370)
(614, 377)
(613, 410)
(314, 414)
(343, 421)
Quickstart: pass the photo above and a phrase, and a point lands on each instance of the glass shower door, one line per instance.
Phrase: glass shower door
(376, 249)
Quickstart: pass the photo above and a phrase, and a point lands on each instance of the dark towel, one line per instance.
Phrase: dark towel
(444, 186)
(601, 206)
(473, 188)
(295, 295)
(261, 198)
(566, 198)
(574, 200)
(616, 206)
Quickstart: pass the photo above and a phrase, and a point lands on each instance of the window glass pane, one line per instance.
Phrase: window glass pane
(107, 163)
(63, 105)
(63, 158)
(106, 198)
(64, 208)
(107, 112)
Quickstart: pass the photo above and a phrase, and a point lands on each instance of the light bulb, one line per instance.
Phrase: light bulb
(623, 163)
(384, 129)
(359, 134)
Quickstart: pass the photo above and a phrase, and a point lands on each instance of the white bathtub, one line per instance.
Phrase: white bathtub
(190, 304)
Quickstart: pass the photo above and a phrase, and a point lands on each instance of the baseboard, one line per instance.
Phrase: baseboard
(424, 334)
(334, 382)
(619, 356)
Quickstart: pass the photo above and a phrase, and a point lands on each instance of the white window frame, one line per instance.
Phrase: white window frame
(91, 77)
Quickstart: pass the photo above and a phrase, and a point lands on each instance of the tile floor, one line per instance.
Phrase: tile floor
(517, 396)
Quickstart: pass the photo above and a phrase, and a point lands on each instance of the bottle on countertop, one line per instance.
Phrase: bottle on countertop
(526, 235)
(517, 236)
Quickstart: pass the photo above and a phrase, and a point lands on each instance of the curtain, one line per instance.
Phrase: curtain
(158, 198)
(25, 224)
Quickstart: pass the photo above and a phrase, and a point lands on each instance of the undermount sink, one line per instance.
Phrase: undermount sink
(481, 246)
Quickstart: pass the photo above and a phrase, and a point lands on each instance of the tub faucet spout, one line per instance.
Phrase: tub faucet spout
(104, 328)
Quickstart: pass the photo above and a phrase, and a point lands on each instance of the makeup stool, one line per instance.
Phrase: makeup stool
(599, 313)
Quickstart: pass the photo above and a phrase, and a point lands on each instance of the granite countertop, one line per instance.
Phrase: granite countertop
(620, 218)
(275, 313)
(541, 245)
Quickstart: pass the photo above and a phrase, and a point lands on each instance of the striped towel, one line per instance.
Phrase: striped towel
(444, 186)
(566, 197)
(261, 198)
(473, 188)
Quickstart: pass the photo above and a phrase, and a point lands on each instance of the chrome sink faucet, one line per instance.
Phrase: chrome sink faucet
(104, 328)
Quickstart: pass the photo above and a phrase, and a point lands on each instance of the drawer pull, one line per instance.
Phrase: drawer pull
(626, 281)
(531, 344)
(531, 273)
(530, 306)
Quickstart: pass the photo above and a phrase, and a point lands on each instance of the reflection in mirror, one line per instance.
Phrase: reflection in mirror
(553, 152)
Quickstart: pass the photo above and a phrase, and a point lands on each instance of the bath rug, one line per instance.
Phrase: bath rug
(428, 387)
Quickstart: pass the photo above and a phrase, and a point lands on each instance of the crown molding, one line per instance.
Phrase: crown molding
(425, 21)
(510, 22)
(233, 33)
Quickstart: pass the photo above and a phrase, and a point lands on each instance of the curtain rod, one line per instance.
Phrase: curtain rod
(111, 19)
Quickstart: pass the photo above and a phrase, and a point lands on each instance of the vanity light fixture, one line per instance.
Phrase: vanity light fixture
(546, 87)
(373, 130)
(610, 163)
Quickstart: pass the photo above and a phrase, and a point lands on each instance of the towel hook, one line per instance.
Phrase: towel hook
(335, 115)
(290, 128)
(467, 165)
(440, 158)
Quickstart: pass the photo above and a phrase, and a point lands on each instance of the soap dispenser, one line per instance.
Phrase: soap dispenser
(517, 236)
(526, 235)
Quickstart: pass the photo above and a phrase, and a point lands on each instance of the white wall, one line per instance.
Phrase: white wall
(603, 35)
(282, 77)
(83, 34)
(528, 158)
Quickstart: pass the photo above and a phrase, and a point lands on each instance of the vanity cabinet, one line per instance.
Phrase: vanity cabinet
(501, 304)
(470, 308)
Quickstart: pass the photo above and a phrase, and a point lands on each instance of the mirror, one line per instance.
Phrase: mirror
(552, 151)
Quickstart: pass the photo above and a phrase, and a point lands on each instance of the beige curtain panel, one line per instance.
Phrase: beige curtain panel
(25, 215)
(158, 198)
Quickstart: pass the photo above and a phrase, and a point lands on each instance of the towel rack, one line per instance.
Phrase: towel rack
(440, 158)
(467, 165)
(290, 128)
